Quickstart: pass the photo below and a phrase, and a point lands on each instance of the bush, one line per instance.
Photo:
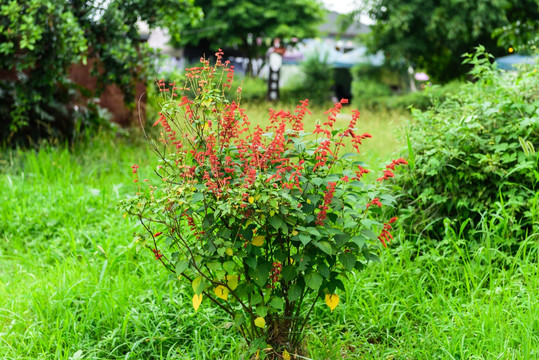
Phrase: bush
(475, 153)
(262, 222)
(316, 84)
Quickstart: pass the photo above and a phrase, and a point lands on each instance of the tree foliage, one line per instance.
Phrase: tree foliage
(238, 23)
(41, 39)
(434, 34)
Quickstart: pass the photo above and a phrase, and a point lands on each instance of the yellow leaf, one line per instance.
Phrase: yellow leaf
(125, 215)
(197, 300)
(272, 212)
(295, 232)
(258, 240)
(308, 201)
(286, 355)
(221, 292)
(260, 322)
(332, 300)
(251, 200)
(229, 251)
(232, 281)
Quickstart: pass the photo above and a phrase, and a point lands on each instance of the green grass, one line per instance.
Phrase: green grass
(73, 286)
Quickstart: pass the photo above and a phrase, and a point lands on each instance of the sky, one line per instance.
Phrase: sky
(341, 6)
(345, 6)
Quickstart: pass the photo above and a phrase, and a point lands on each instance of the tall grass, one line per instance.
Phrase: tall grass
(74, 286)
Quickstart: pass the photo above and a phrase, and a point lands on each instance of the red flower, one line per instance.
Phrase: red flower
(385, 235)
(157, 254)
(375, 201)
(388, 173)
(360, 172)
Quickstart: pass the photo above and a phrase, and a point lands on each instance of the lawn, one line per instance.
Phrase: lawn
(73, 286)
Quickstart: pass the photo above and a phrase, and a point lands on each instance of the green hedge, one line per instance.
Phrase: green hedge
(476, 154)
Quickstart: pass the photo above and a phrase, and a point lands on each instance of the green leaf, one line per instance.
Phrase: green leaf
(276, 303)
(305, 239)
(225, 233)
(294, 293)
(276, 221)
(214, 266)
(313, 231)
(317, 181)
(314, 280)
(302, 261)
(262, 274)
(229, 266)
(348, 260)
(256, 298)
(369, 234)
(262, 310)
(369, 223)
(332, 216)
(341, 239)
(289, 273)
(197, 197)
(181, 266)
(323, 269)
(251, 261)
(325, 246)
(239, 319)
(358, 240)
(370, 256)
(335, 283)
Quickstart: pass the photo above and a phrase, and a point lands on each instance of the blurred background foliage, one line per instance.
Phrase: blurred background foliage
(41, 39)
(432, 35)
(235, 25)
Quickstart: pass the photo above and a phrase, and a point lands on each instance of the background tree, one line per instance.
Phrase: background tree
(41, 39)
(433, 35)
(236, 24)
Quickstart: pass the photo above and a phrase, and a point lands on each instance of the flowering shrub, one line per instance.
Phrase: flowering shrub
(261, 222)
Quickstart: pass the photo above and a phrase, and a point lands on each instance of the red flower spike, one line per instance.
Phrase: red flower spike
(375, 201)
(328, 196)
